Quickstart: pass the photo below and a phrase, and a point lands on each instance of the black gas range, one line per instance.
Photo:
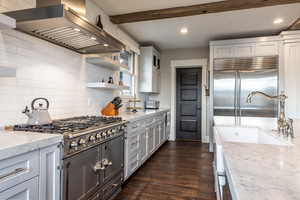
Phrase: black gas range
(93, 157)
(80, 132)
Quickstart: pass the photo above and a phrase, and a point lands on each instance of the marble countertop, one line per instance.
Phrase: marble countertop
(130, 116)
(16, 143)
(260, 171)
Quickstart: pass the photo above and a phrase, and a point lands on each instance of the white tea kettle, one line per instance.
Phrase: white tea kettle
(39, 115)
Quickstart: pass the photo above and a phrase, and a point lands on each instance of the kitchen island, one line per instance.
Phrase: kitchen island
(261, 171)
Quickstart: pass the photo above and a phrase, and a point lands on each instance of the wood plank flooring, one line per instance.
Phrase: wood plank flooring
(178, 171)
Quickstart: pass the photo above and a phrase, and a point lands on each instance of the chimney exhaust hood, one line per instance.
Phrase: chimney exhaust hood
(62, 22)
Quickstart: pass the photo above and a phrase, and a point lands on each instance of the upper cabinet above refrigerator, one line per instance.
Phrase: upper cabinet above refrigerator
(149, 70)
(264, 46)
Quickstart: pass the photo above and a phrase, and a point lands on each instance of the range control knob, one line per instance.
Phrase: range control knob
(74, 144)
(98, 136)
(104, 134)
(114, 131)
(92, 138)
(110, 132)
(82, 141)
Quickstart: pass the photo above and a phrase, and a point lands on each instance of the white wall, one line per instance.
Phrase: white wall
(47, 70)
(165, 80)
(92, 12)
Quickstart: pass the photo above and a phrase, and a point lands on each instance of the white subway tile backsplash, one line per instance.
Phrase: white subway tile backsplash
(47, 70)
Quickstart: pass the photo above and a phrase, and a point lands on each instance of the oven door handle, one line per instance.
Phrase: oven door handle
(106, 162)
(98, 166)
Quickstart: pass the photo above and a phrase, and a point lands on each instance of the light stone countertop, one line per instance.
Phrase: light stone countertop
(260, 171)
(130, 116)
(16, 143)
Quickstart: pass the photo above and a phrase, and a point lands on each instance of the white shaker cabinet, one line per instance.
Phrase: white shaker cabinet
(157, 135)
(33, 175)
(149, 73)
(143, 146)
(266, 48)
(292, 72)
(247, 47)
(50, 162)
(150, 139)
(143, 138)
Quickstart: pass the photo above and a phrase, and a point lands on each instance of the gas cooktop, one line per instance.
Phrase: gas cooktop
(71, 125)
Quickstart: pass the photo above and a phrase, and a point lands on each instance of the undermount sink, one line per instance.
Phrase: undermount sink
(246, 135)
(239, 134)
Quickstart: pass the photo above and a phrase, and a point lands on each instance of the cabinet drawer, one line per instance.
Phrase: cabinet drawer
(18, 169)
(159, 118)
(111, 188)
(149, 121)
(25, 191)
(133, 126)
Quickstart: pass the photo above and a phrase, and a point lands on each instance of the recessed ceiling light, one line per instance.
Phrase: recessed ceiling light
(278, 21)
(76, 29)
(184, 30)
(93, 38)
(106, 45)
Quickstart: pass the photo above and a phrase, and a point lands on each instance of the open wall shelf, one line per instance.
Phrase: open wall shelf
(106, 62)
(100, 85)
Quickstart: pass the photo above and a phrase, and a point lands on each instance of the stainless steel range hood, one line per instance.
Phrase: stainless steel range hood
(62, 22)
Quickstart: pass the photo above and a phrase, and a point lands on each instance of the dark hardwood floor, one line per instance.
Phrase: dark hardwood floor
(178, 171)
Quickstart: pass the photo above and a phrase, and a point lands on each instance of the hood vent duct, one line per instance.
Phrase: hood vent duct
(62, 22)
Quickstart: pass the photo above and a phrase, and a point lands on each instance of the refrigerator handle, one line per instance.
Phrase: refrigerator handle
(235, 95)
(239, 95)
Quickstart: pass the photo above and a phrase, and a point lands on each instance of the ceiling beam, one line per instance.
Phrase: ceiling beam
(215, 7)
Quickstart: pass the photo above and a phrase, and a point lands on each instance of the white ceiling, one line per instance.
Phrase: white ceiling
(202, 28)
(116, 7)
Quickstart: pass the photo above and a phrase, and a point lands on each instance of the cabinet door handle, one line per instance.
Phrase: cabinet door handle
(15, 172)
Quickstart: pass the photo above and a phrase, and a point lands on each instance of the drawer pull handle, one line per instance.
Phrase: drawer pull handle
(15, 172)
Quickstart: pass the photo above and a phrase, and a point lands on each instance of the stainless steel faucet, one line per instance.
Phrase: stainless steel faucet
(284, 126)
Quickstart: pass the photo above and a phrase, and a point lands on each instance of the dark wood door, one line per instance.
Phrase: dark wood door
(188, 109)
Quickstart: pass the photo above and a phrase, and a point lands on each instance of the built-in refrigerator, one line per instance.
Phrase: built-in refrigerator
(235, 78)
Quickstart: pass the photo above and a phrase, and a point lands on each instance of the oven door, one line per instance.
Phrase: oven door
(112, 158)
(80, 178)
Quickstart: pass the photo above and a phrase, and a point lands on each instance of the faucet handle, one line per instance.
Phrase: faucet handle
(290, 127)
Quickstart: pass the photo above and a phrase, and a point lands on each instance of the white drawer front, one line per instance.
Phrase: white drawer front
(149, 121)
(24, 191)
(18, 169)
(133, 126)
